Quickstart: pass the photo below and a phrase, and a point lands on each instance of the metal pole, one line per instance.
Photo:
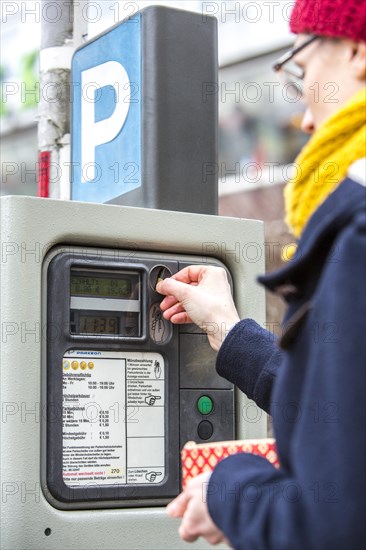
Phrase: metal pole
(55, 102)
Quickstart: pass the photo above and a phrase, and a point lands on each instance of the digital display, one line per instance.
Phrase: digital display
(100, 287)
(92, 324)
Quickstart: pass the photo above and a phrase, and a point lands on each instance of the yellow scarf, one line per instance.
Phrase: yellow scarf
(324, 161)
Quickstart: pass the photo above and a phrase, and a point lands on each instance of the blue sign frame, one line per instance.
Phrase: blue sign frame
(106, 114)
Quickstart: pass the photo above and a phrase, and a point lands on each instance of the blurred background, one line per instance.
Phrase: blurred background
(259, 121)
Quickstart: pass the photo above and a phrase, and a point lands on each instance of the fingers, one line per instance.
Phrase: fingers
(186, 534)
(190, 274)
(171, 306)
(192, 527)
(173, 288)
(215, 539)
(180, 319)
(173, 310)
(193, 294)
(177, 507)
(168, 302)
(196, 520)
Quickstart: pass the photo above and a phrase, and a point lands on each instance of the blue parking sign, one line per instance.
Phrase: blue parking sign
(144, 124)
(106, 114)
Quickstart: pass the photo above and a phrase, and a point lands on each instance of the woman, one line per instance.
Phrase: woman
(313, 379)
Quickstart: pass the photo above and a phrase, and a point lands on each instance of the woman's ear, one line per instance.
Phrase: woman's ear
(358, 60)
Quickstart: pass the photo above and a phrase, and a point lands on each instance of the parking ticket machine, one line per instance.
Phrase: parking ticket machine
(99, 392)
(132, 388)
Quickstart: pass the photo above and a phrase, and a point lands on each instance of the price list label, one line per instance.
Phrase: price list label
(113, 418)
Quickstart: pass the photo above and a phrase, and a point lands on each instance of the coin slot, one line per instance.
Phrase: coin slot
(157, 274)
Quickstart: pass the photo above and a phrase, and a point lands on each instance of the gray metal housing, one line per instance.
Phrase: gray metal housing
(30, 229)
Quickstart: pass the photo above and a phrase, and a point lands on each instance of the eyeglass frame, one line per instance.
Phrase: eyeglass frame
(279, 65)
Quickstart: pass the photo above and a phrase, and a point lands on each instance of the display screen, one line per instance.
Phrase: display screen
(92, 324)
(101, 287)
(105, 302)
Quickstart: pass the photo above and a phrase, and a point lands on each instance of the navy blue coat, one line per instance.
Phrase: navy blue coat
(312, 380)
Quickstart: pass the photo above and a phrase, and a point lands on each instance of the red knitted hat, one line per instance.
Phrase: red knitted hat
(334, 18)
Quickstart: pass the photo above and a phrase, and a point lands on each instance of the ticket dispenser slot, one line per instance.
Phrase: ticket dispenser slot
(125, 388)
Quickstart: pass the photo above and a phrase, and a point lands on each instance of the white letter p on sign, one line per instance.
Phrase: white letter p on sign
(94, 133)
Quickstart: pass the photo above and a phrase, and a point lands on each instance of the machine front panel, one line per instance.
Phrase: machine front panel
(124, 386)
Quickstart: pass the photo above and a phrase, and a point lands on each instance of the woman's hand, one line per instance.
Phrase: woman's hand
(191, 505)
(201, 295)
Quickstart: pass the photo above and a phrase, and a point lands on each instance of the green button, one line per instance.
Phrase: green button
(205, 404)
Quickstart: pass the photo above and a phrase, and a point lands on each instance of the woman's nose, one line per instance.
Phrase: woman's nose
(308, 124)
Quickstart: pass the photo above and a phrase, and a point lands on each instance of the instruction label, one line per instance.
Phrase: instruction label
(113, 418)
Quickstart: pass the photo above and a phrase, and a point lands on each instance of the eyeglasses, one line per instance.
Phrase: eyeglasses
(292, 73)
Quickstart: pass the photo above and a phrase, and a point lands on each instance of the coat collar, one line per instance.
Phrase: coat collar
(317, 239)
